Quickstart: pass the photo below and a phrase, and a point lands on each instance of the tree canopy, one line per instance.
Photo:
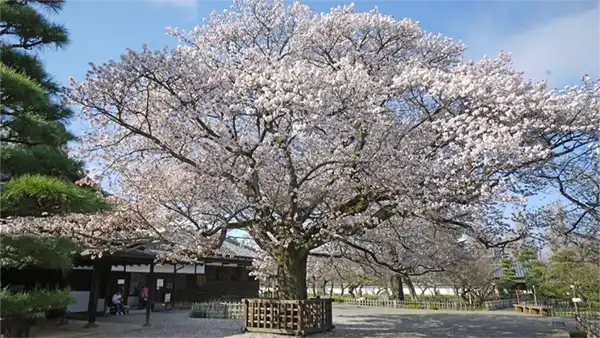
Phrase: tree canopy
(303, 128)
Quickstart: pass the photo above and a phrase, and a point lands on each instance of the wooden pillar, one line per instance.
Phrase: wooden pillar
(127, 277)
(107, 294)
(151, 292)
(93, 299)
(173, 289)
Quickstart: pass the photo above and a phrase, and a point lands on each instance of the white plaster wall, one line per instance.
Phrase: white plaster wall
(372, 290)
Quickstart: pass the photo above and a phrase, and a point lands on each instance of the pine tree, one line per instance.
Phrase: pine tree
(507, 281)
(37, 173)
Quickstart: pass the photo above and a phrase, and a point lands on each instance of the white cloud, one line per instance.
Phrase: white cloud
(561, 50)
(182, 4)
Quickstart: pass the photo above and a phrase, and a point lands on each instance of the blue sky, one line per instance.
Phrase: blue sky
(554, 40)
(557, 40)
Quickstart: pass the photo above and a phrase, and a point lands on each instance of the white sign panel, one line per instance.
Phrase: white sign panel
(576, 300)
(167, 297)
(121, 281)
(159, 283)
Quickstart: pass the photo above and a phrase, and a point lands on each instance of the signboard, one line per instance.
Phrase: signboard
(167, 297)
(121, 281)
(576, 300)
(159, 283)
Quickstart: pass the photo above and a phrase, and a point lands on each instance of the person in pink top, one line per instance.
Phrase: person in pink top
(143, 296)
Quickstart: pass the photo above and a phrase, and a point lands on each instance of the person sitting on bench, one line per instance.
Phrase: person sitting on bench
(116, 300)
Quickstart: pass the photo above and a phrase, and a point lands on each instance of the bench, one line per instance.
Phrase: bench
(519, 307)
(539, 310)
(113, 310)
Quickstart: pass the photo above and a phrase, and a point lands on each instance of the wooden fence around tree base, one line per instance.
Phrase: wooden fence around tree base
(294, 317)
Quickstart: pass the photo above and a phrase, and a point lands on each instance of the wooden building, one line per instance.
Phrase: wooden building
(223, 276)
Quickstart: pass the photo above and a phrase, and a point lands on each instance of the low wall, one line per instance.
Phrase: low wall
(589, 324)
(499, 304)
(81, 302)
(220, 310)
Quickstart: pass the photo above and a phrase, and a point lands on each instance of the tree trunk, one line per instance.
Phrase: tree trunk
(351, 288)
(324, 288)
(343, 288)
(397, 287)
(291, 273)
(331, 290)
(411, 287)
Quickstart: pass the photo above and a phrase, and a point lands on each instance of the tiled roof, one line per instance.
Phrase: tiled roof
(231, 248)
(520, 270)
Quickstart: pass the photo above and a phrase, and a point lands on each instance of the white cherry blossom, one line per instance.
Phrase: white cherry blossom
(302, 127)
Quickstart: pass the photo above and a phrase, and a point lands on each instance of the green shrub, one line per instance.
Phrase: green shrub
(340, 298)
(480, 309)
(197, 312)
(32, 303)
(577, 334)
(413, 306)
(432, 307)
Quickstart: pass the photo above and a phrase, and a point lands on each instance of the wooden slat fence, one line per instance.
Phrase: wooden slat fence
(572, 312)
(297, 317)
(589, 323)
(440, 305)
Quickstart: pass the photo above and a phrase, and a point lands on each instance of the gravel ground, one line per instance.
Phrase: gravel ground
(359, 322)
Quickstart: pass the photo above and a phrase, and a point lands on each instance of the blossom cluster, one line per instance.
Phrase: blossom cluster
(303, 127)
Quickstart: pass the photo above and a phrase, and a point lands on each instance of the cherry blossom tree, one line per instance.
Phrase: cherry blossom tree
(402, 248)
(122, 228)
(474, 280)
(303, 127)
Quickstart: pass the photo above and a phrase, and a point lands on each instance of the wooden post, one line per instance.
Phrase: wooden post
(93, 299)
(151, 293)
(300, 306)
(107, 295)
(125, 295)
(173, 288)
(245, 308)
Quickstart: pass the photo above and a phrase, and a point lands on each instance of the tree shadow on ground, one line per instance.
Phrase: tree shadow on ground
(439, 325)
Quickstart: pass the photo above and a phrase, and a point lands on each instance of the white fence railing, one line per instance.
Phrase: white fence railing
(440, 305)
(220, 310)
